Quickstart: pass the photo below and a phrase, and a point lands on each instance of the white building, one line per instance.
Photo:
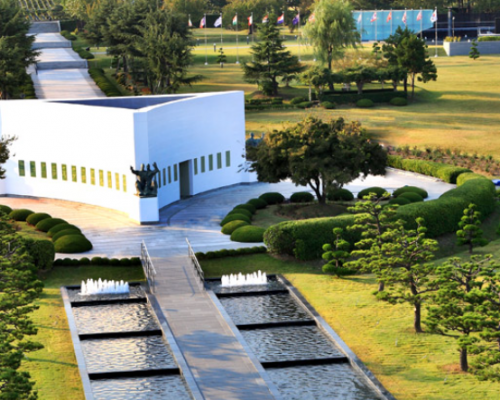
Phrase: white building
(82, 150)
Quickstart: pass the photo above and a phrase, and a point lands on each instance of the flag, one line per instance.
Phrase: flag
(419, 16)
(203, 23)
(296, 20)
(281, 19)
(374, 17)
(265, 20)
(360, 17)
(190, 24)
(235, 20)
(434, 16)
(250, 20)
(312, 18)
(404, 18)
(389, 17)
(218, 22)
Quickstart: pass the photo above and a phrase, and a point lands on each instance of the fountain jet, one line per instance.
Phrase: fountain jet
(104, 287)
(257, 278)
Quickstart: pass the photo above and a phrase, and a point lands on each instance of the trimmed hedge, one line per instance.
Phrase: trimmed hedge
(248, 234)
(259, 204)
(375, 189)
(328, 105)
(375, 95)
(364, 103)
(230, 227)
(272, 198)
(298, 100)
(241, 211)
(66, 232)
(73, 262)
(447, 173)
(5, 209)
(413, 197)
(86, 55)
(235, 217)
(231, 253)
(247, 207)
(104, 83)
(35, 218)
(20, 214)
(399, 101)
(42, 252)
(421, 192)
(340, 195)
(301, 197)
(73, 244)
(401, 201)
(46, 224)
(462, 178)
(61, 227)
(305, 104)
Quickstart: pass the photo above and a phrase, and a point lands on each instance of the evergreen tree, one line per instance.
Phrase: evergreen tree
(271, 60)
(474, 52)
(470, 233)
(221, 57)
(375, 222)
(5, 143)
(336, 255)
(409, 279)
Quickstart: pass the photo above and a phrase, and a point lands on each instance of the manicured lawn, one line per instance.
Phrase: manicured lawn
(410, 366)
(54, 368)
(30, 231)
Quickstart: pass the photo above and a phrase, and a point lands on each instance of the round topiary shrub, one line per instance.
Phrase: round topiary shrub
(235, 217)
(301, 197)
(125, 262)
(259, 204)
(35, 218)
(247, 207)
(5, 209)
(340, 195)
(65, 232)
(45, 224)
(364, 103)
(241, 211)
(96, 261)
(84, 261)
(413, 197)
(400, 201)
(298, 100)
(304, 105)
(328, 105)
(230, 227)
(72, 244)
(20, 215)
(413, 189)
(272, 198)
(375, 189)
(248, 234)
(70, 262)
(135, 261)
(114, 262)
(399, 101)
(61, 227)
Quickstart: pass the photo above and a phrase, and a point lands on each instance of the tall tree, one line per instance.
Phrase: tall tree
(5, 143)
(470, 233)
(271, 60)
(333, 31)
(320, 154)
(336, 255)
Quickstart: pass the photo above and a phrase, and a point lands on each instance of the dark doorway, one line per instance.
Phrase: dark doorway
(185, 170)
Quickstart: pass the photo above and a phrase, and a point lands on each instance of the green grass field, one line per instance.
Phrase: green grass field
(54, 368)
(410, 366)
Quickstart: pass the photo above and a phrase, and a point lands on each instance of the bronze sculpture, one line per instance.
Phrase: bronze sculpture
(146, 183)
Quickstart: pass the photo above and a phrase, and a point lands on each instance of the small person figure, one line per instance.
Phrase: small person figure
(215, 47)
(248, 40)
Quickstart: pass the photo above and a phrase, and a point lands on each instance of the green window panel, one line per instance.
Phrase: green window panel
(195, 161)
(44, 169)
(211, 162)
(117, 180)
(219, 160)
(164, 177)
(83, 175)
(92, 176)
(228, 158)
(202, 162)
(124, 183)
(54, 170)
(110, 180)
(158, 179)
(22, 171)
(32, 169)
(64, 172)
(176, 173)
(169, 175)
(101, 177)
(74, 174)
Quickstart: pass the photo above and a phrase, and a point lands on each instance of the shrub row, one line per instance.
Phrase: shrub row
(35, 218)
(104, 83)
(114, 262)
(258, 102)
(42, 252)
(377, 96)
(447, 173)
(20, 214)
(86, 55)
(67, 35)
(230, 253)
(250, 107)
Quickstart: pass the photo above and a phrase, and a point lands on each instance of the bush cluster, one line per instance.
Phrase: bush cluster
(399, 101)
(35, 218)
(328, 105)
(72, 244)
(230, 253)
(104, 83)
(301, 197)
(488, 39)
(66, 232)
(46, 224)
(400, 201)
(86, 55)
(20, 214)
(61, 227)
(305, 104)
(259, 204)
(339, 195)
(364, 103)
(235, 217)
(5, 209)
(375, 189)
(413, 197)
(421, 192)
(272, 198)
(248, 234)
(73, 262)
(42, 252)
(230, 227)
(298, 100)
(247, 207)
(241, 211)
(375, 95)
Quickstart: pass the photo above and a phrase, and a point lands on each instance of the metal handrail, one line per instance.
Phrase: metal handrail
(148, 267)
(196, 265)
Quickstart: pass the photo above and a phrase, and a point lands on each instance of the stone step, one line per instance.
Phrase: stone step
(70, 64)
(45, 27)
(51, 45)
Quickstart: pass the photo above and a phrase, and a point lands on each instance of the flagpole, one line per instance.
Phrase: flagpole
(237, 55)
(391, 21)
(376, 20)
(205, 28)
(421, 21)
(221, 30)
(253, 38)
(361, 24)
(298, 34)
(436, 23)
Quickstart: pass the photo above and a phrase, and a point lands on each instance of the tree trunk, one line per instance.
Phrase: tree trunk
(464, 365)
(381, 286)
(417, 323)
(310, 93)
(412, 86)
(406, 84)
(330, 83)
(360, 88)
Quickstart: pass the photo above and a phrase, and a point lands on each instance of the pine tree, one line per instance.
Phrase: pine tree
(271, 60)
(474, 52)
(336, 255)
(470, 233)
(221, 58)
